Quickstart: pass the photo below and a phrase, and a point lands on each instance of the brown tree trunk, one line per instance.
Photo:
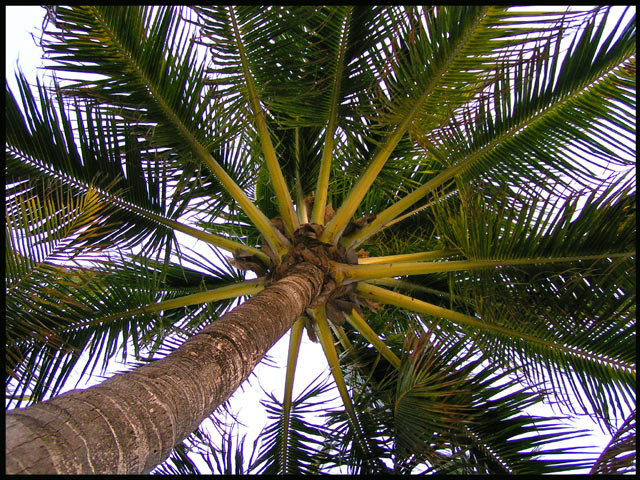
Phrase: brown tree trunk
(129, 423)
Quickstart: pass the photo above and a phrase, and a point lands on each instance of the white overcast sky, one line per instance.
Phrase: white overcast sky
(21, 23)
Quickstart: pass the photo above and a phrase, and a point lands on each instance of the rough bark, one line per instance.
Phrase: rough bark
(129, 423)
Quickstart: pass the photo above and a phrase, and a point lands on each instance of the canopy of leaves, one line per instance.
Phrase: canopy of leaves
(486, 153)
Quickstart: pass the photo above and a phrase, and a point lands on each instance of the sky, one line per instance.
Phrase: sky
(21, 22)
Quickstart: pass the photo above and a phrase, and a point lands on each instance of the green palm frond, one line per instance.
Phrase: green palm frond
(294, 54)
(41, 144)
(226, 457)
(54, 313)
(302, 49)
(448, 413)
(369, 378)
(123, 46)
(595, 368)
(46, 227)
(144, 48)
(458, 416)
(597, 328)
(620, 455)
(137, 283)
(430, 60)
(540, 120)
(356, 436)
(230, 457)
(237, 35)
(297, 454)
(342, 447)
(577, 96)
(72, 148)
(485, 222)
(470, 171)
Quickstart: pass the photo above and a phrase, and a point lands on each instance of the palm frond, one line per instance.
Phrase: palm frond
(525, 129)
(47, 227)
(598, 327)
(122, 46)
(55, 312)
(436, 64)
(620, 455)
(461, 417)
(362, 445)
(567, 106)
(275, 173)
(226, 457)
(41, 147)
(292, 362)
(295, 454)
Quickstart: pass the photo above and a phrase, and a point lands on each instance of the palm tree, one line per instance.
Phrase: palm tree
(440, 196)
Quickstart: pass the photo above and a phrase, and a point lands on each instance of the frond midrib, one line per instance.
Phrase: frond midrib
(321, 192)
(217, 240)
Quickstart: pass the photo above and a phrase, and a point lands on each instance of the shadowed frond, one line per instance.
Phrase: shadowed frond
(123, 46)
(539, 121)
(460, 417)
(597, 327)
(620, 455)
(295, 454)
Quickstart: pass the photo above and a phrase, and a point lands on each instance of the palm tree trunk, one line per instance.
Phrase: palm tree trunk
(130, 422)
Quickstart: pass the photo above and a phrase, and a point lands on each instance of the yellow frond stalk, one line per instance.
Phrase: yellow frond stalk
(250, 287)
(387, 215)
(345, 273)
(292, 361)
(383, 295)
(407, 257)
(322, 186)
(283, 197)
(367, 332)
(326, 340)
